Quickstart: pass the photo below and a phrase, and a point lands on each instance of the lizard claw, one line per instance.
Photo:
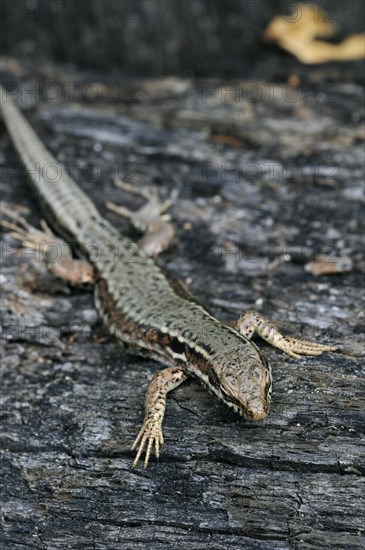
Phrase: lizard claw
(150, 434)
(297, 347)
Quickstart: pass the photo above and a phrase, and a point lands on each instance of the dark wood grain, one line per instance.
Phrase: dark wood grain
(73, 400)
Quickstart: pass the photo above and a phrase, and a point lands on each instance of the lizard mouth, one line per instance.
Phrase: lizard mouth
(254, 413)
(258, 413)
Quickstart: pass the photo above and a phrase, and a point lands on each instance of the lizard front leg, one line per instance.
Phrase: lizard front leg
(155, 405)
(252, 322)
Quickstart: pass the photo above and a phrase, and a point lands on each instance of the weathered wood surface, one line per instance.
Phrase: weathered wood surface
(73, 400)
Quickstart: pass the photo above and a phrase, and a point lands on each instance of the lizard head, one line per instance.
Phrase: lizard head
(242, 380)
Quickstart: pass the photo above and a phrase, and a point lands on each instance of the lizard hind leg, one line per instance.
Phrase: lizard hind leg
(252, 322)
(151, 219)
(54, 250)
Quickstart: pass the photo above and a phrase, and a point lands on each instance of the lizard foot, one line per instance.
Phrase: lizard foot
(150, 434)
(295, 347)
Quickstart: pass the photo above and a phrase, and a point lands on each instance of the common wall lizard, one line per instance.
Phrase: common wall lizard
(149, 313)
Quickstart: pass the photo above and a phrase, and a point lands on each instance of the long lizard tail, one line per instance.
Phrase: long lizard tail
(64, 203)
